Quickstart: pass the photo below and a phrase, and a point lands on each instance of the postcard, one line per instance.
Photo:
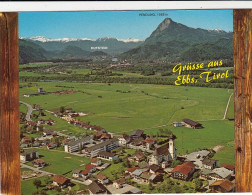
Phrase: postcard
(126, 102)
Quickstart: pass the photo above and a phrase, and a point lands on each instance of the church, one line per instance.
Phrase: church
(164, 154)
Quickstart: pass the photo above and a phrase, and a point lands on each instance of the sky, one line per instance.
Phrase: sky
(118, 24)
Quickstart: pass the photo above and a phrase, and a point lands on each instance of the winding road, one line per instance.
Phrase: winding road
(29, 112)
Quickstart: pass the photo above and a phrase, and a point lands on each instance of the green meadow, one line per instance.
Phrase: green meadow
(141, 106)
(121, 108)
(61, 162)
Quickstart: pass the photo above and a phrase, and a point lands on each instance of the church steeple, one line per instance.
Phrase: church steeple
(172, 148)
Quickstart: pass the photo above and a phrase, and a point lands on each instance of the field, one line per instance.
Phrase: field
(227, 154)
(61, 162)
(121, 108)
(143, 106)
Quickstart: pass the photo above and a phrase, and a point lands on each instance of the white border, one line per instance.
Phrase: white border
(120, 5)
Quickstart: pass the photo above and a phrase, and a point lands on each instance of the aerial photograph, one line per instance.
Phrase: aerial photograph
(126, 102)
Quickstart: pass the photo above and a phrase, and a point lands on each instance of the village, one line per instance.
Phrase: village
(146, 160)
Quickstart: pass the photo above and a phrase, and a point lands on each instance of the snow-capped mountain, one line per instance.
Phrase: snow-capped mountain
(105, 44)
(131, 40)
(45, 39)
(217, 30)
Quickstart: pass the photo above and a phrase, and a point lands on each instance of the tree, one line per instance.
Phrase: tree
(39, 193)
(197, 184)
(177, 189)
(150, 185)
(58, 189)
(62, 109)
(37, 183)
(175, 163)
(47, 180)
(195, 175)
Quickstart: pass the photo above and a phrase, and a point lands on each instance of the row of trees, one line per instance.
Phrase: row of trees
(222, 83)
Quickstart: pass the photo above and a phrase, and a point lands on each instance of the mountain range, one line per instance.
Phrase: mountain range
(175, 41)
(170, 40)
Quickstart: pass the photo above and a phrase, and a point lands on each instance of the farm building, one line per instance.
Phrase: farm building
(137, 134)
(222, 186)
(184, 171)
(177, 124)
(192, 124)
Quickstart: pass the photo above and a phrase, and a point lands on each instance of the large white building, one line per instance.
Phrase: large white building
(76, 145)
(103, 146)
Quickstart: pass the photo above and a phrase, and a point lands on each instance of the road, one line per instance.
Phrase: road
(49, 173)
(30, 109)
(227, 106)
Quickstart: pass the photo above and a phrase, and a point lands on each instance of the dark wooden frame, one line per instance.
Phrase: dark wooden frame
(9, 104)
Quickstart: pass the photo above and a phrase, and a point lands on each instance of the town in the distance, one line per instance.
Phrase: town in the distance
(104, 116)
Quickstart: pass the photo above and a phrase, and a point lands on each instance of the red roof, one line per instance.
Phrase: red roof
(88, 126)
(50, 144)
(149, 140)
(60, 179)
(98, 128)
(94, 160)
(66, 140)
(102, 177)
(132, 169)
(185, 168)
(90, 166)
(38, 161)
(105, 136)
(228, 166)
(26, 138)
(85, 172)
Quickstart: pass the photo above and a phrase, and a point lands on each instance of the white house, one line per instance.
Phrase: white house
(103, 179)
(96, 161)
(124, 139)
(107, 156)
(29, 156)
